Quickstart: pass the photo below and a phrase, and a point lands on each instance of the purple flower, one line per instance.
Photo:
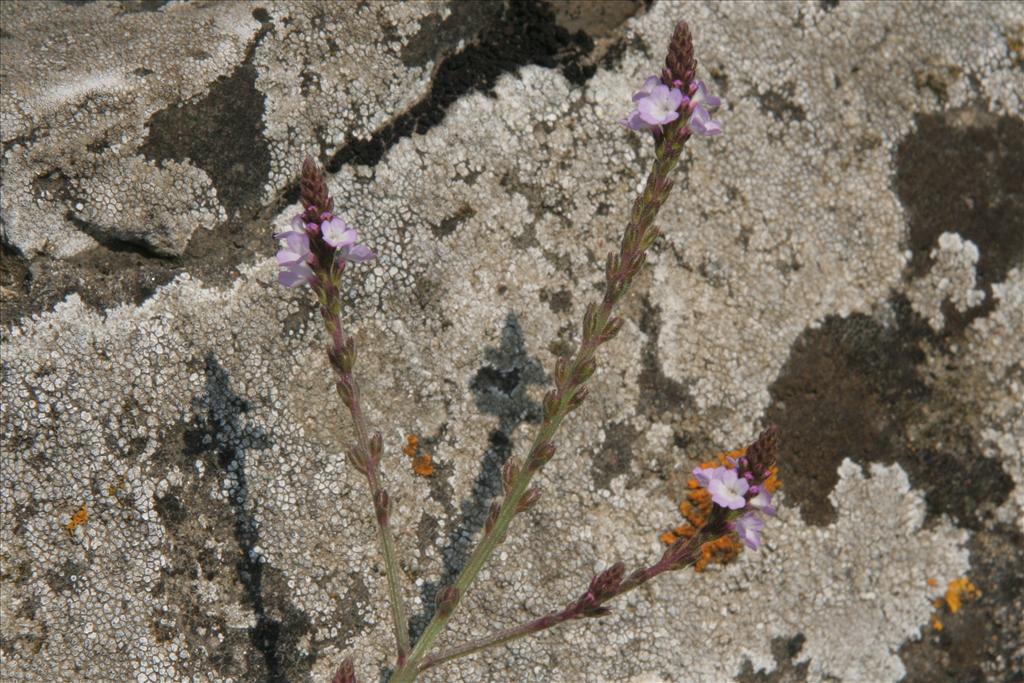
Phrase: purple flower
(357, 253)
(727, 489)
(705, 475)
(646, 89)
(748, 528)
(701, 123)
(294, 258)
(634, 122)
(762, 502)
(702, 98)
(656, 105)
(337, 233)
(295, 275)
(661, 106)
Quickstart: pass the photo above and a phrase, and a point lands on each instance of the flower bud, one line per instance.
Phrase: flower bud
(528, 500)
(347, 358)
(578, 397)
(509, 473)
(551, 404)
(590, 321)
(584, 371)
(447, 600)
(376, 447)
(610, 330)
(347, 392)
(346, 673)
(540, 457)
(356, 460)
(382, 506)
(561, 369)
(492, 517)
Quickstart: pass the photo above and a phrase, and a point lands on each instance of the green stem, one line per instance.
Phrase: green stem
(342, 345)
(638, 237)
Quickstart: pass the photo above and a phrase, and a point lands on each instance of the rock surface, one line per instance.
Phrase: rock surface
(846, 262)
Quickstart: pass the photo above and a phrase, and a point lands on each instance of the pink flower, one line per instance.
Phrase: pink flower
(748, 528)
(702, 98)
(337, 233)
(656, 105)
(646, 89)
(661, 106)
(762, 502)
(702, 124)
(703, 475)
(727, 489)
(294, 258)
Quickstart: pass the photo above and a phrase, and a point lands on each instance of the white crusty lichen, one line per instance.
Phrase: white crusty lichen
(75, 115)
(951, 277)
(511, 198)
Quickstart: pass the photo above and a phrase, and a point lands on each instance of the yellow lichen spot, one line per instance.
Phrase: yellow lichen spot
(77, 519)
(668, 538)
(936, 623)
(933, 582)
(412, 445)
(959, 590)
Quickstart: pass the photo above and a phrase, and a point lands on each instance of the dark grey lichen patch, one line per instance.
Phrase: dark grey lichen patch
(660, 395)
(615, 455)
(787, 669)
(961, 172)
(981, 642)
(450, 223)
(221, 133)
(438, 37)
(559, 301)
(524, 33)
(852, 389)
(500, 389)
(779, 103)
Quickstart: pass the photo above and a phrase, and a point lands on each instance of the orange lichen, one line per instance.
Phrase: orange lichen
(77, 519)
(722, 550)
(933, 582)
(422, 464)
(959, 590)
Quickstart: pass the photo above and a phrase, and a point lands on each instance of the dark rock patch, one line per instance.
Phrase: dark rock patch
(787, 669)
(522, 33)
(615, 455)
(659, 394)
(981, 642)
(500, 389)
(779, 103)
(438, 37)
(221, 133)
(450, 223)
(961, 172)
(852, 389)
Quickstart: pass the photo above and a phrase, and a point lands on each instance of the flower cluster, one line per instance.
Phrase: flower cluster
(317, 240)
(731, 494)
(658, 104)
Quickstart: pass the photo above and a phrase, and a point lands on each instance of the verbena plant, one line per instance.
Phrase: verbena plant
(728, 497)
